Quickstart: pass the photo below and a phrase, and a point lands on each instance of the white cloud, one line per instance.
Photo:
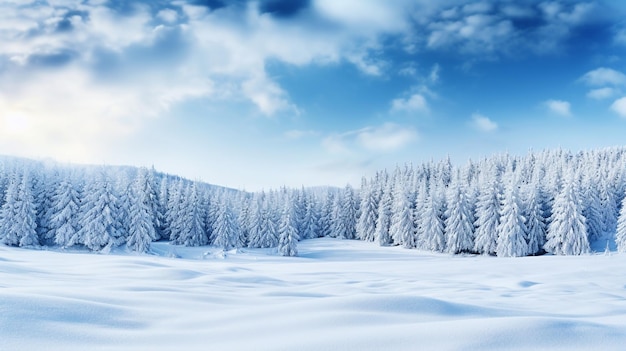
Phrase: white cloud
(385, 138)
(388, 137)
(483, 123)
(559, 107)
(601, 93)
(619, 107)
(414, 103)
(168, 15)
(604, 76)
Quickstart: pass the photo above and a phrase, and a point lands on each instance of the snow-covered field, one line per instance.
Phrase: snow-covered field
(338, 295)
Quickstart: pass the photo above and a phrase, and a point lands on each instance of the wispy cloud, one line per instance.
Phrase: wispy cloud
(483, 123)
(413, 103)
(384, 138)
(601, 93)
(604, 76)
(559, 107)
(619, 107)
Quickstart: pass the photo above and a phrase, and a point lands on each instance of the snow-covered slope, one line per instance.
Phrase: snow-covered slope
(338, 295)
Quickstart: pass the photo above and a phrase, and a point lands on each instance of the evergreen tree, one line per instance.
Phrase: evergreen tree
(65, 210)
(620, 236)
(383, 222)
(567, 232)
(18, 226)
(311, 220)
(432, 233)
(535, 221)
(142, 225)
(459, 226)
(191, 227)
(488, 215)
(512, 241)
(366, 226)
(99, 225)
(226, 231)
(288, 235)
(402, 230)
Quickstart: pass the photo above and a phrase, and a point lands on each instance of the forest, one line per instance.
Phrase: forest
(554, 202)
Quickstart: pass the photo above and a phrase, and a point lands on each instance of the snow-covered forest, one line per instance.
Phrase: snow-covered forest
(553, 201)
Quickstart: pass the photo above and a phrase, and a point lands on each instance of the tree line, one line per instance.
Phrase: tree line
(553, 201)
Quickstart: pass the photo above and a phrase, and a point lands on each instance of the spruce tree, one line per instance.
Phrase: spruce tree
(567, 232)
(287, 233)
(226, 228)
(459, 225)
(65, 210)
(620, 236)
(402, 230)
(512, 241)
(488, 215)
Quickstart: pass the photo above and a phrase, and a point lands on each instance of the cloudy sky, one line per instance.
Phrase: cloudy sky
(259, 94)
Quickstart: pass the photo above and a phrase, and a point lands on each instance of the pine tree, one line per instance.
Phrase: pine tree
(288, 235)
(65, 210)
(99, 224)
(620, 236)
(18, 226)
(459, 225)
(192, 231)
(535, 221)
(366, 226)
(567, 233)
(349, 212)
(311, 220)
(488, 216)
(142, 226)
(402, 230)
(432, 233)
(383, 223)
(226, 231)
(512, 241)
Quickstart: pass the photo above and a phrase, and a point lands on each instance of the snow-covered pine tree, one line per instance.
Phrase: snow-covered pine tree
(349, 213)
(226, 228)
(567, 232)
(18, 226)
(383, 222)
(99, 222)
(459, 227)
(175, 210)
(535, 221)
(65, 211)
(488, 214)
(254, 224)
(287, 233)
(402, 230)
(192, 228)
(142, 225)
(591, 207)
(268, 232)
(512, 241)
(326, 218)
(432, 233)
(311, 220)
(620, 236)
(366, 226)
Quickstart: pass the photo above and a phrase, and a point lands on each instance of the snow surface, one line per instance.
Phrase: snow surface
(337, 295)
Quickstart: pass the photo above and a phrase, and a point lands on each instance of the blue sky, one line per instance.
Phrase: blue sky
(259, 94)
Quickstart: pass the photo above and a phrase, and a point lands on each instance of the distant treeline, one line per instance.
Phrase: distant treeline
(553, 201)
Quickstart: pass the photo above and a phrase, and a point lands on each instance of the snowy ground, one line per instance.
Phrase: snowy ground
(338, 295)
